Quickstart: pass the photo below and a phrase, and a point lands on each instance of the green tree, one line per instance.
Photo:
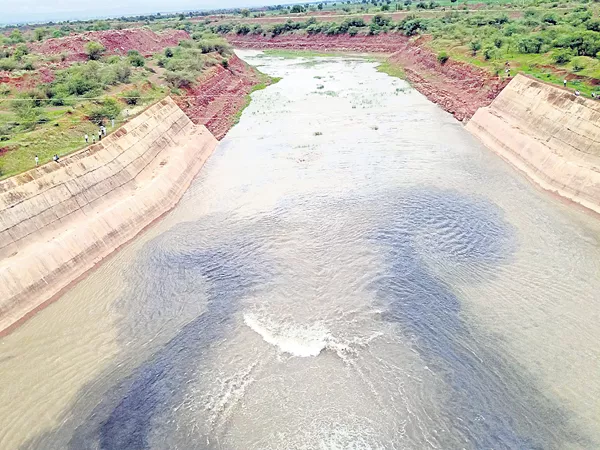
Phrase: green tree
(135, 59)
(39, 34)
(475, 46)
(20, 51)
(27, 112)
(94, 50)
(320, 6)
(109, 109)
(562, 56)
(132, 97)
(16, 37)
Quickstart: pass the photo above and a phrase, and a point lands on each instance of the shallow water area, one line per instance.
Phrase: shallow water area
(351, 269)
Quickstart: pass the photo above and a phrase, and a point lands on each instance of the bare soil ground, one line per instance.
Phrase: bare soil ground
(115, 42)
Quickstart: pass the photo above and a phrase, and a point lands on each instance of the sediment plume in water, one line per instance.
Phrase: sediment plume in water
(443, 300)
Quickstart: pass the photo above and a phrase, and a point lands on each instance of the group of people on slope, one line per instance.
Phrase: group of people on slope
(577, 92)
(101, 132)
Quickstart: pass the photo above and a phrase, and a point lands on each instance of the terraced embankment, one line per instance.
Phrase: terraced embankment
(59, 220)
(215, 100)
(547, 133)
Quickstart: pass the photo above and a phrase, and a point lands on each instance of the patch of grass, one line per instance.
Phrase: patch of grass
(289, 54)
(393, 70)
(62, 136)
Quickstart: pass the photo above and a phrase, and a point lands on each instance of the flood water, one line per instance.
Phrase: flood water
(350, 270)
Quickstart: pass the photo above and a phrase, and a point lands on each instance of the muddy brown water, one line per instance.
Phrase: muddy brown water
(351, 270)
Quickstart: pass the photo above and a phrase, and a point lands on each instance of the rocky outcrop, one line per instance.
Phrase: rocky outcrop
(547, 133)
(459, 88)
(59, 220)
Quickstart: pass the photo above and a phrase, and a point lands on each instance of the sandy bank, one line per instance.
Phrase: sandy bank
(59, 220)
(459, 88)
(547, 133)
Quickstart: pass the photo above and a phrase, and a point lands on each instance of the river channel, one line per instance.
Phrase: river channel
(350, 270)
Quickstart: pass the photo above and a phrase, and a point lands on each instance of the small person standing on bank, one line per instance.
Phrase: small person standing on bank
(87, 138)
(37, 160)
(99, 135)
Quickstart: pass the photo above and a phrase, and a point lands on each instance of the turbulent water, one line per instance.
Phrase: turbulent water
(351, 270)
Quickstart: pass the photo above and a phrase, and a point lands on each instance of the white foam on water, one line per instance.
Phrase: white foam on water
(294, 339)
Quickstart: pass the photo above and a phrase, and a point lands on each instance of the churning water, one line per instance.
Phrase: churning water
(351, 270)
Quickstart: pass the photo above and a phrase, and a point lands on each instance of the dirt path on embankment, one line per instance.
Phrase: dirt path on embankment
(457, 87)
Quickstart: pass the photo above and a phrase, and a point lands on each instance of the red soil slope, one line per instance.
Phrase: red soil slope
(459, 88)
(143, 40)
(383, 43)
(219, 96)
(28, 80)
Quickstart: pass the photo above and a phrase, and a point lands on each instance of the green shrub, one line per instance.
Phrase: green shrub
(26, 111)
(179, 79)
(168, 52)
(8, 64)
(113, 59)
(593, 25)
(442, 57)
(578, 67)
(530, 44)
(20, 51)
(15, 37)
(243, 28)
(94, 50)
(28, 64)
(109, 109)
(412, 26)
(562, 57)
(214, 45)
(475, 46)
(135, 59)
(131, 97)
(352, 31)
(489, 53)
(381, 20)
